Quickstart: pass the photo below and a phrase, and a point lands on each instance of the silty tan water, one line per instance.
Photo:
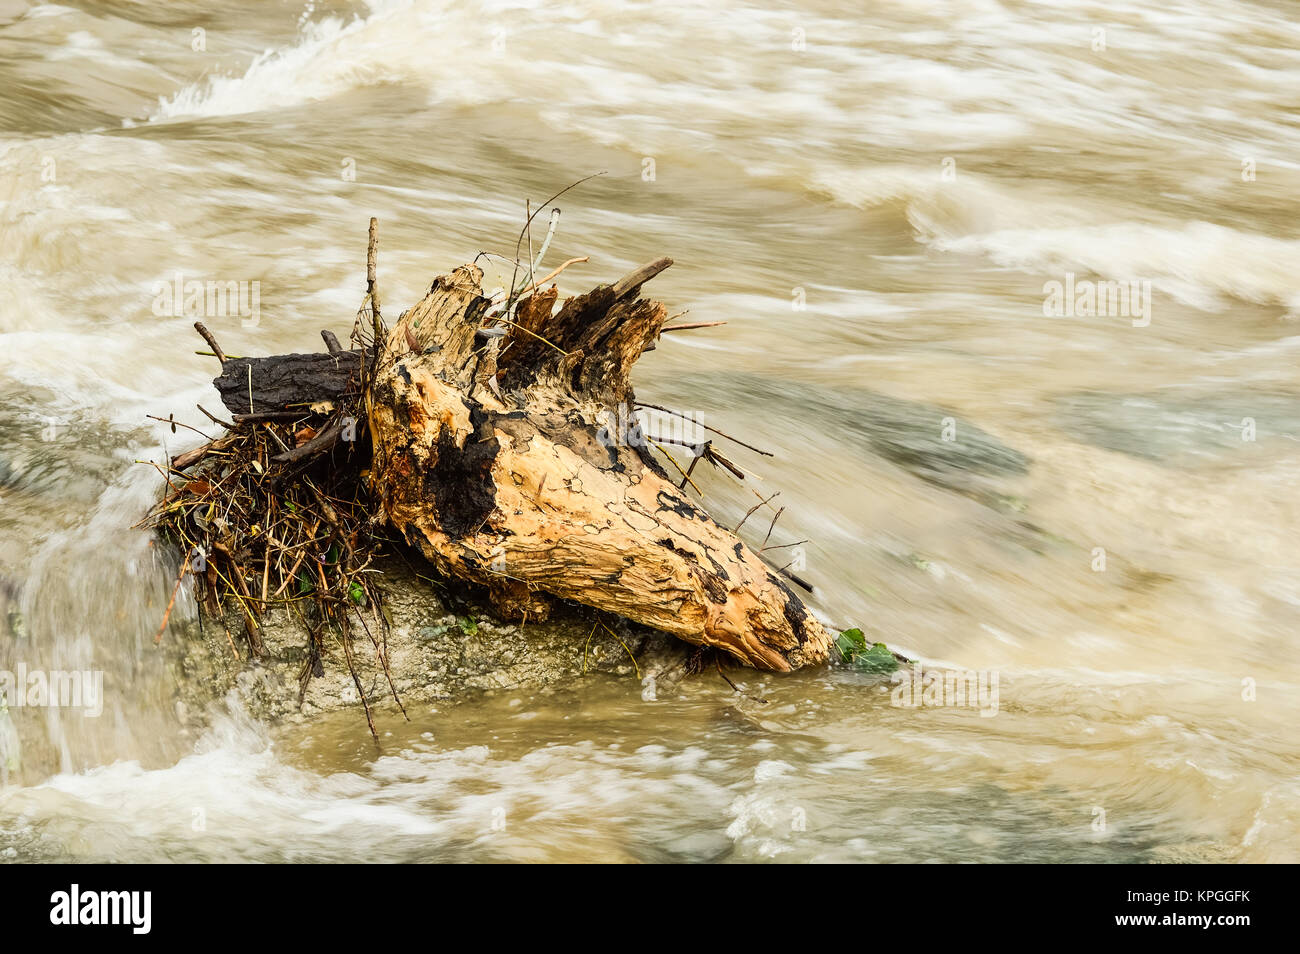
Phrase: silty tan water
(1096, 504)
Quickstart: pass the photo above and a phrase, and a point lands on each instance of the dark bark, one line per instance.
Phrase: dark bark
(287, 381)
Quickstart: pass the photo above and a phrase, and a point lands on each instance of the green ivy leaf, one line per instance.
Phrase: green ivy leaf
(850, 643)
(853, 649)
(876, 659)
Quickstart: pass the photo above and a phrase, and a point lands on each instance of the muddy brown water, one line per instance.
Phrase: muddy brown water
(1098, 508)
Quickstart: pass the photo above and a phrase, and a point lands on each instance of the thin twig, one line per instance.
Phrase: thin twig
(533, 334)
(554, 272)
(661, 450)
(691, 326)
(202, 329)
(175, 424)
(372, 286)
(734, 440)
(770, 527)
(162, 628)
(211, 417)
(519, 243)
(625, 649)
(750, 512)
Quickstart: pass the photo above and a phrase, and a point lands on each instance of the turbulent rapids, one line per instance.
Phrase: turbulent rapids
(908, 230)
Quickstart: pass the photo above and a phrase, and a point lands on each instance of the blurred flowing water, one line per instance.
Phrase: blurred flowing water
(875, 199)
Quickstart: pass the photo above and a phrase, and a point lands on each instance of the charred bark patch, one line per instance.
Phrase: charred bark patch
(460, 482)
(714, 586)
(796, 614)
(678, 505)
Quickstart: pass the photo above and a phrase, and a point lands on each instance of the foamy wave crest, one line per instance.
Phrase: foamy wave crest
(1199, 263)
(398, 42)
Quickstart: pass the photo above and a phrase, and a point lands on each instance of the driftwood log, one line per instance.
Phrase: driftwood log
(501, 451)
(287, 381)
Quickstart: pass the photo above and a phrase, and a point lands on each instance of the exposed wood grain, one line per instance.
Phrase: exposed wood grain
(536, 492)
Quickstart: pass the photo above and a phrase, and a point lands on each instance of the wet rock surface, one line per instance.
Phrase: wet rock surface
(435, 654)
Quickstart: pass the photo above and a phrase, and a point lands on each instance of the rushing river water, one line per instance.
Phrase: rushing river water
(876, 198)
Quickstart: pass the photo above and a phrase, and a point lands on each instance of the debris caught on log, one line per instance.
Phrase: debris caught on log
(500, 438)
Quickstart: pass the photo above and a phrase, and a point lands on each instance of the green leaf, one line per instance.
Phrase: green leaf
(876, 659)
(468, 625)
(357, 592)
(853, 649)
(850, 643)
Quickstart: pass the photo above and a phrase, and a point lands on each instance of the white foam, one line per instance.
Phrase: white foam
(1199, 263)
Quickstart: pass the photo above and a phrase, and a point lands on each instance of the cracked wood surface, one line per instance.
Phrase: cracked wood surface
(503, 462)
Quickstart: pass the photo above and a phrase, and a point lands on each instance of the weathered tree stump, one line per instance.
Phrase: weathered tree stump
(504, 457)
(505, 464)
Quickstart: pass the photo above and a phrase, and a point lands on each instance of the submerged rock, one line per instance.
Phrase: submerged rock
(1179, 429)
(909, 434)
(433, 655)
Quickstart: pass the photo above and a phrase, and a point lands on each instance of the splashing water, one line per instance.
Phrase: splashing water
(875, 202)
